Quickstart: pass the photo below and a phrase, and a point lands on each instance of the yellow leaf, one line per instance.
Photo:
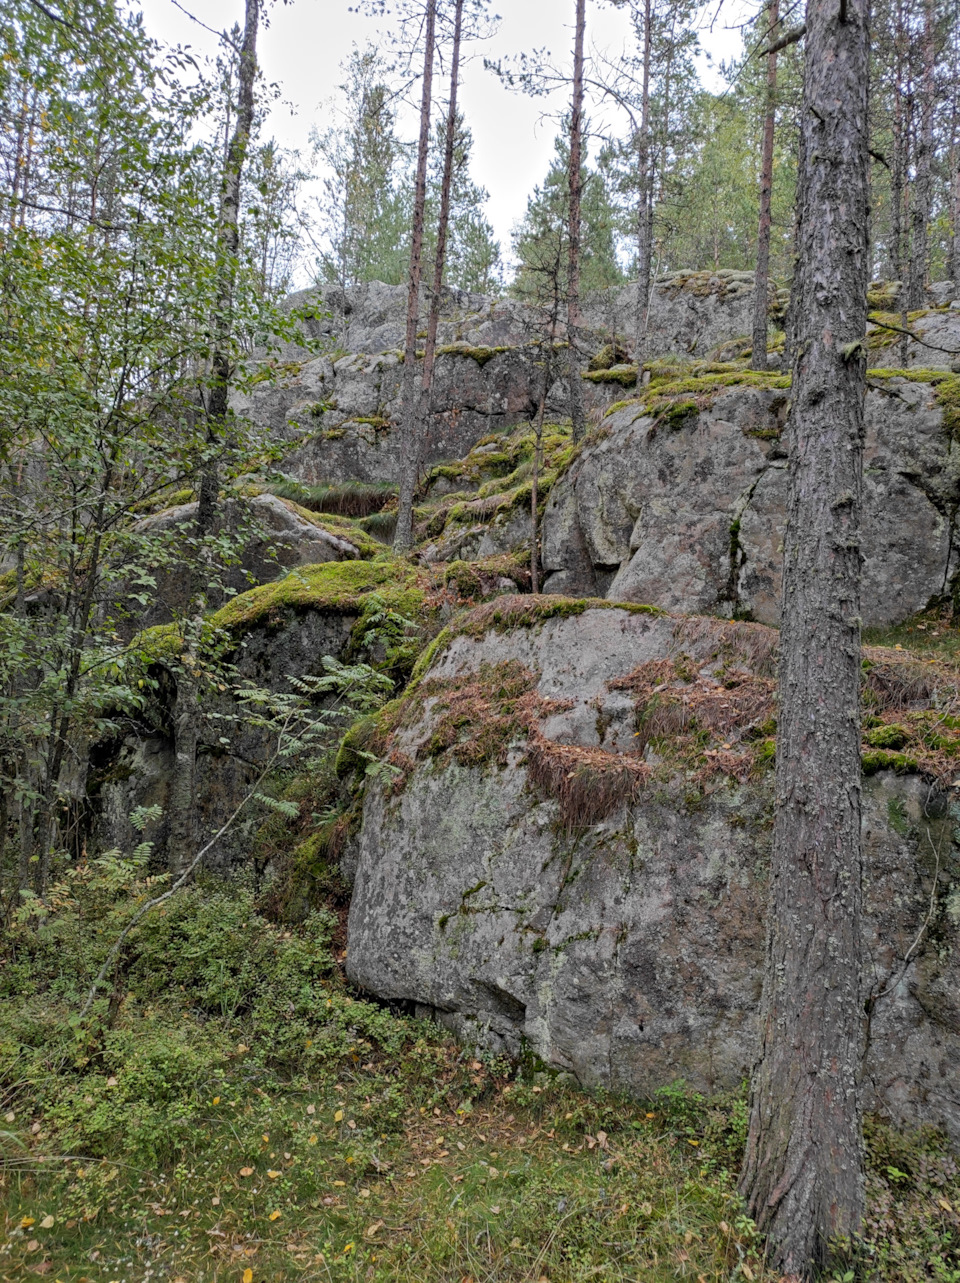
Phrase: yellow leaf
(248, 1276)
(216, 1100)
(47, 1223)
(246, 1171)
(274, 1216)
(338, 1116)
(26, 1222)
(273, 1175)
(312, 1140)
(266, 1137)
(349, 1247)
(945, 1205)
(341, 1183)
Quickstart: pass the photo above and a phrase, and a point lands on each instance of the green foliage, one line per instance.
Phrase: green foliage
(542, 239)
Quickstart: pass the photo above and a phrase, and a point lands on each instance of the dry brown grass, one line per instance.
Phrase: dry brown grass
(588, 783)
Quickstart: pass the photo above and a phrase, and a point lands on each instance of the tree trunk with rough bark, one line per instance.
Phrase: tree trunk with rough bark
(228, 249)
(922, 202)
(443, 225)
(803, 1171)
(644, 199)
(758, 360)
(577, 416)
(410, 392)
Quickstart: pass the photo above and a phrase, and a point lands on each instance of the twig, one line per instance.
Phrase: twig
(934, 347)
(221, 35)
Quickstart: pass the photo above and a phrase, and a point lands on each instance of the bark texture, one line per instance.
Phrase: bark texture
(229, 247)
(410, 406)
(803, 1172)
(644, 196)
(577, 416)
(922, 201)
(443, 225)
(759, 356)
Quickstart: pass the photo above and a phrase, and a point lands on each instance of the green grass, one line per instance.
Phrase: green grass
(236, 1107)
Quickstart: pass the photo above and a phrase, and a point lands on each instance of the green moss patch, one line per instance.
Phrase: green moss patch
(336, 588)
(480, 354)
(625, 375)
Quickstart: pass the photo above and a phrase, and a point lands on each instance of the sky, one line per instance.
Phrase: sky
(513, 145)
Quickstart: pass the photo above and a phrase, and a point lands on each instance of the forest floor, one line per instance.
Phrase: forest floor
(235, 1113)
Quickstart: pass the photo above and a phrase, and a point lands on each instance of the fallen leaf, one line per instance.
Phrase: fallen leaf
(945, 1204)
(47, 1223)
(32, 1245)
(338, 1116)
(352, 1125)
(216, 1100)
(311, 1109)
(274, 1216)
(26, 1222)
(242, 1047)
(495, 1211)
(246, 1171)
(216, 1200)
(364, 1193)
(340, 1183)
(273, 1175)
(111, 1082)
(373, 1229)
(724, 1227)
(10, 1117)
(312, 1140)
(747, 1272)
(248, 1276)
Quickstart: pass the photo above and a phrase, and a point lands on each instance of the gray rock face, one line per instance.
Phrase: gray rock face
(339, 411)
(137, 770)
(276, 538)
(689, 515)
(629, 950)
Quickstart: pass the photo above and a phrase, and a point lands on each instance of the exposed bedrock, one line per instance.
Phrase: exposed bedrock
(339, 411)
(687, 510)
(535, 880)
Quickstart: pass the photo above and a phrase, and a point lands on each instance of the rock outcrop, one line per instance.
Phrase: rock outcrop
(682, 502)
(339, 411)
(272, 534)
(571, 857)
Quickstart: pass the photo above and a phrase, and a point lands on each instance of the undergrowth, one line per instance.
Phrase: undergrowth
(236, 1112)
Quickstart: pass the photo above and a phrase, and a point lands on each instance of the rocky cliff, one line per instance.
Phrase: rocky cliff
(571, 854)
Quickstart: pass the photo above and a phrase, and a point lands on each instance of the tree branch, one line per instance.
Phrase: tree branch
(788, 38)
(934, 347)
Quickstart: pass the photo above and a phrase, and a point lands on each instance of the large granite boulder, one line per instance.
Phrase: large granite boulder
(571, 857)
(273, 535)
(684, 506)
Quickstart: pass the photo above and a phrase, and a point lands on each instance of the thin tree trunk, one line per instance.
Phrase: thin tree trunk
(182, 843)
(758, 359)
(535, 480)
(409, 411)
(446, 187)
(803, 1172)
(577, 416)
(228, 251)
(644, 199)
(923, 184)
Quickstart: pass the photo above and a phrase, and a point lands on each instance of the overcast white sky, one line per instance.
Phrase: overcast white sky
(307, 40)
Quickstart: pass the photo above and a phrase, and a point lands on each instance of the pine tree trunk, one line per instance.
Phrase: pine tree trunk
(758, 360)
(644, 201)
(182, 843)
(409, 409)
(803, 1172)
(228, 250)
(577, 417)
(443, 225)
(923, 184)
